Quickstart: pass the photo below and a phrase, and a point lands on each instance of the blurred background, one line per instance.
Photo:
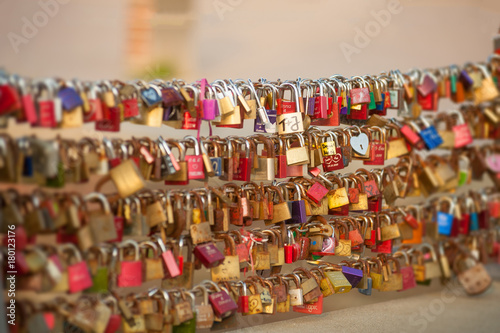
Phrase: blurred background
(191, 39)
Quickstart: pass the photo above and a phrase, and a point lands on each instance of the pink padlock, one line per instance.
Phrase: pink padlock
(171, 265)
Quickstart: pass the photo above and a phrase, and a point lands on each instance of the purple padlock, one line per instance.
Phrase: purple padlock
(298, 212)
(353, 275)
(259, 126)
(310, 106)
(343, 110)
(167, 112)
(466, 79)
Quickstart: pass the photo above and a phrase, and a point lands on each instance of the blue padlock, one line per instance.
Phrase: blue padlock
(430, 135)
(474, 219)
(445, 220)
(151, 95)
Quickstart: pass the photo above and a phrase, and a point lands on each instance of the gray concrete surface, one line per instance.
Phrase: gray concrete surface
(446, 309)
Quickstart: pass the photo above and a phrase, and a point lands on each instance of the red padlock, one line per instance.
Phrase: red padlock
(130, 271)
(320, 103)
(196, 168)
(310, 308)
(378, 147)
(317, 192)
(463, 136)
(245, 161)
(115, 320)
(243, 305)
(9, 99)
(78, 273)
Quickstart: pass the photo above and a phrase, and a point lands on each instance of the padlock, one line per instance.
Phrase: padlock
(235, 118)
(229, 269)
(428, 182)
(194, 162)
(297, 155)
(281, 211)
(338, 280)
(184, 314)
(360, 142)
(444, 220)
(432, 267)
(355, 235)
(130, 272)
(49, 105)
(255, 305)
(320, 110)
(376, 275)
(266, 160)
(463, 136)
(245, 158)
(429, 134)
(296, 206)
(78, 272)
(260, 256)
(487, 89)
(396, 145)
(446, 132)
(222, 304)
(180, 177)
(72, 105)
(390, 230)
(362, 203)
(208, 254)
(337, 197)
(99, 271)
(335, 161)
(296, 295)
(111, 108)
(101, 222)
(167, 163)
(343, 247)
(204, 312)
(366, 284)
(378, 147)
(407, 272)
(266, 112)
(169, 259)
(352, 274)
(225, 99)
(395, 279)
(152, 263)
(475, 280)
(291, 248)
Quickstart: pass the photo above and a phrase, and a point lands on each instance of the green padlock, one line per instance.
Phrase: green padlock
(100, 273)
(58, 180)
